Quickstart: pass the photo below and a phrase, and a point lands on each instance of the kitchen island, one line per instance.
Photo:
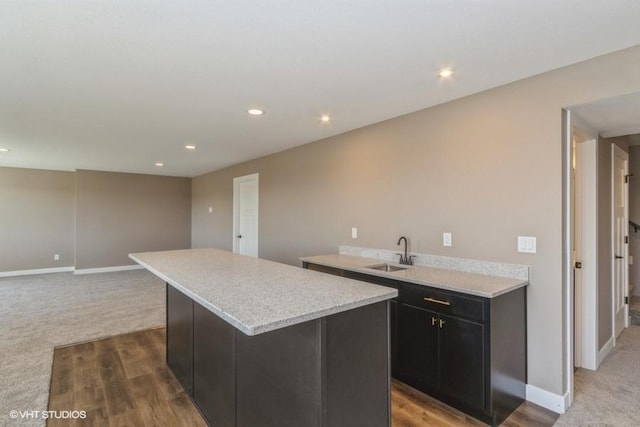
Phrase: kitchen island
(258, 343)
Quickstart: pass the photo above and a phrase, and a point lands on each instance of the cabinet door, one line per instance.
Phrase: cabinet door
(417, 346)
(214, 387)
(393, 335)
(462, 361)
(180, 337)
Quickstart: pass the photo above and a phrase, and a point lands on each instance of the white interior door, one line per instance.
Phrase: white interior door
(620, 224)
(576, 202)
(245, 215)
(585, 253)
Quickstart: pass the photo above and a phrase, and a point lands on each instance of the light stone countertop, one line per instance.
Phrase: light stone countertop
(459, 281)
(255, 295)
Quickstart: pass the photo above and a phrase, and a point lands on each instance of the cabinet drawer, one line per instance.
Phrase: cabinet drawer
(443, 301)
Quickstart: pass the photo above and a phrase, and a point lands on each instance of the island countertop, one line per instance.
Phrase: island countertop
(469, 283)
(255, 295)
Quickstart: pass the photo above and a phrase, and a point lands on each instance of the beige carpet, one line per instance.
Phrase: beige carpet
(609, 396)
(40, 312)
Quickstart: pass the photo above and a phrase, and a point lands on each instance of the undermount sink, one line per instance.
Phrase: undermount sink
(387, 267)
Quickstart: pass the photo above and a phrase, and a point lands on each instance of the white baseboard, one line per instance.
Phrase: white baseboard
(68, 270)
(546, 399)
(604, 351)
(108, 269)
(36, 271)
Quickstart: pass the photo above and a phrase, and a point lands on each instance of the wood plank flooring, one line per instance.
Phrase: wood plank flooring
(119, 381)
(124, 381)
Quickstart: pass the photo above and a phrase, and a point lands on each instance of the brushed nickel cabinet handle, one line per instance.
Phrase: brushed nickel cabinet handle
(437, 301)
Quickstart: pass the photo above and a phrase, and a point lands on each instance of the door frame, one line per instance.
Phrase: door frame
(569, 123)
(236, 209)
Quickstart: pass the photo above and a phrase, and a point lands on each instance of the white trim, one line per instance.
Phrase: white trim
(546, 399)
(36, 271)
(605, 350)
(567, 268)
(588, 176)
(108, 269)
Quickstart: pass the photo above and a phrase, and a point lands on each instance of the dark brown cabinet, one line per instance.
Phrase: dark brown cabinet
(467, 351)
(418, 346)
(441, 354)
(326, 372)
(462, 360)
(376, 280)
(393, 309)
(214, 349)
(180, 337)
(441, 344)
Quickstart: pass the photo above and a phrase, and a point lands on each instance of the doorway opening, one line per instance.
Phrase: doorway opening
(598, 272)
(245, 215)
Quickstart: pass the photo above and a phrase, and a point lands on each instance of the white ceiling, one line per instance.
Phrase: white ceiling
(119, 85)
(612, 116)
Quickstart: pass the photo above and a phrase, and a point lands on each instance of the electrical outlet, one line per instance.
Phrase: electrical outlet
(354, 232)
(56, 257)
(446, 239)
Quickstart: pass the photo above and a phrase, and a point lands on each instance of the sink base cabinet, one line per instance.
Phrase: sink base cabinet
(467, 351)
(328, 372)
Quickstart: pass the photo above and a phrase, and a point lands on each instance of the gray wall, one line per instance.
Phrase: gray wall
(120, 213)
(486, 168)
(91, 219)
(36, 218)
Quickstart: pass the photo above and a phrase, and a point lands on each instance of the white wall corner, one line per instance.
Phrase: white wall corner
(546, 399)
(108, 269)
(604, 351)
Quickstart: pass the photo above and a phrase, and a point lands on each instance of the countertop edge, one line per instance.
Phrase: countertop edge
(272, 326)
(390, 275)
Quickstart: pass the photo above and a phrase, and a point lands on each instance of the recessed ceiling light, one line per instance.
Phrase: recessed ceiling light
(255, 111)
(325, 118)
(446, 72)
(159, 164)
(190, 147)
(4, 150)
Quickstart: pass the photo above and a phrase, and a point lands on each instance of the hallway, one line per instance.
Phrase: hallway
(611, 395)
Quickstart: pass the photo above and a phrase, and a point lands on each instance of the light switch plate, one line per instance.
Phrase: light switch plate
(354, 232)
(446, 239)
(527, 244)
